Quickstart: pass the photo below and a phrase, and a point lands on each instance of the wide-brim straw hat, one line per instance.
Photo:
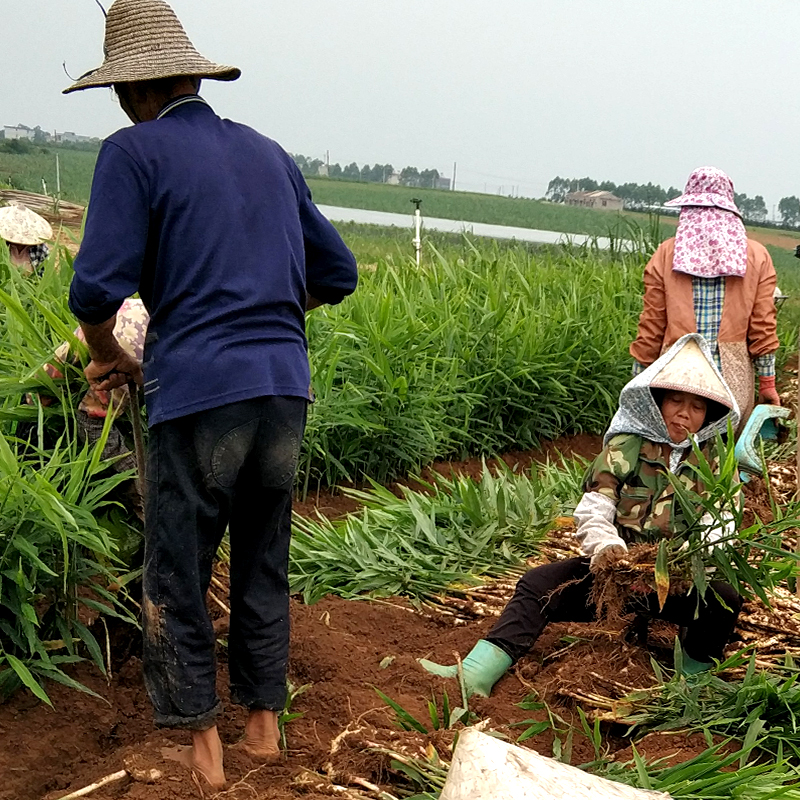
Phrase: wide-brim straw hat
(145, 41)
(20, 225)
(690, 371)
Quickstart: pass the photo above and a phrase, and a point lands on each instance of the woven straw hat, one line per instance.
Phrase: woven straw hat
(20, 225)
(690, 371)
(145, 41)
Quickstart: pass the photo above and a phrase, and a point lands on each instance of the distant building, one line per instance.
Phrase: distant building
(605, 201)
(74, 138)
(17, 132)
(322, 171)
(393, 179)
(442, 183)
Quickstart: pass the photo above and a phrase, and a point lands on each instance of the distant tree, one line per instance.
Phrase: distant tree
(759, 209)
(39, 136)
(376, 174)
(313, 166)
(351, 172)
(381, 173)
(366, 173)
(557, 190)
(301, 161)
(634, 195)
(409, 176)
(18, 146)
(335, 171)
(585, 185)
(428, 178)
(790, 210)
(752, 208)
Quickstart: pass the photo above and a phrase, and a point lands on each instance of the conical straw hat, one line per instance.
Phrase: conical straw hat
(145, 41)
(690, 371)
(20, 225)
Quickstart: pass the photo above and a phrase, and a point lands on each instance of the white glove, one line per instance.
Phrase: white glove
(595, 515)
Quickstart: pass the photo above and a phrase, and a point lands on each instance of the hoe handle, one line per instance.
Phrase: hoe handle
(138, 437)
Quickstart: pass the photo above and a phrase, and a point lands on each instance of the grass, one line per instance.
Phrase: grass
(26, 171)
(760, 706)
(451, 531)
(56, 553)
(477, 353)
(711, 775)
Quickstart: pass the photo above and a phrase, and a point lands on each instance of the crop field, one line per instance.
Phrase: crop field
(27, 171)
(456, 407)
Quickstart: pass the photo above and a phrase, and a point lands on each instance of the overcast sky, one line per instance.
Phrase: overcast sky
(515, 91)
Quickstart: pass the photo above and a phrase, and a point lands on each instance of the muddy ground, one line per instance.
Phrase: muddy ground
(338, 648)
(340, 651)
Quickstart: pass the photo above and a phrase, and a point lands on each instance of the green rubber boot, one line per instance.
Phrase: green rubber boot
(692, 667)
(483, 667)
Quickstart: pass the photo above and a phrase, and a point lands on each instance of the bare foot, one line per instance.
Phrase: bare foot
(203, 758)
(261, 737)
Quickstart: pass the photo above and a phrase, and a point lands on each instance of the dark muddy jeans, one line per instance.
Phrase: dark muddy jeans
(561, 592)
(233, 467)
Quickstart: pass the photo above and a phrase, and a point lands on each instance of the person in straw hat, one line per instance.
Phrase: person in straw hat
(213, 225)
(25, 233)
(710, 278)
(627, 500)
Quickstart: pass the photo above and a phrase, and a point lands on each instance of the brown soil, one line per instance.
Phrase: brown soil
(332, 503)
(338, 648)
(782, 239)
(340, 651)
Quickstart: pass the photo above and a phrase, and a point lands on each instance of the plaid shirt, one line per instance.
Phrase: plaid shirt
(708, 295)
(37, 254)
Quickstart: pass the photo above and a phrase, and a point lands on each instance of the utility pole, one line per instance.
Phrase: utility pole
(453, 184)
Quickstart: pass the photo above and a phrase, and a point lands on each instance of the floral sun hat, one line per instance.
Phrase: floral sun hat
(707, 187)
(711, 240)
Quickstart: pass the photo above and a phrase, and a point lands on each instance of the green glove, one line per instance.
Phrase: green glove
(483, 667)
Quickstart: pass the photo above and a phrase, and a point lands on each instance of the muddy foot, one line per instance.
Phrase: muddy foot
(261, 737)
(204, 760)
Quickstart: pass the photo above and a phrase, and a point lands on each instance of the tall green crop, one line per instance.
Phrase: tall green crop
(497, 349)
(57, 558)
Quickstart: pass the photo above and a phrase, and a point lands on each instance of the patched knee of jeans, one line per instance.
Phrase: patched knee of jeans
(279, 459)
(230, 452)
(152, 619)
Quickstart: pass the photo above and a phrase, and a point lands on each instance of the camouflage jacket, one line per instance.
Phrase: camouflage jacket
(632, 472)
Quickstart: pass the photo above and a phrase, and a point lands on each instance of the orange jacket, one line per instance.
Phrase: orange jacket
(748, 314)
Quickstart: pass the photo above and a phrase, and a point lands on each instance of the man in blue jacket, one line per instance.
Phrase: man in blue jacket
(213, 225)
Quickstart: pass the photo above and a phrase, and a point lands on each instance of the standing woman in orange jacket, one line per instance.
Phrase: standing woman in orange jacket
(712, 280)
